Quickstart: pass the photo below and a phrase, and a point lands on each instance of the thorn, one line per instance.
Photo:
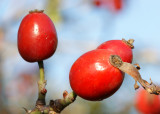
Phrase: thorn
(25, 109)
(146, 82)
(137, 66)
(151, 82)
(65, 93)
(136, 86)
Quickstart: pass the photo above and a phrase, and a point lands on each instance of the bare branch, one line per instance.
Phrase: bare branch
(131, 70)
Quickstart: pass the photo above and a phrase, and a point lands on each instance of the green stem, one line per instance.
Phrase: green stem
(55, 106)
(41, 70)
(41, 85)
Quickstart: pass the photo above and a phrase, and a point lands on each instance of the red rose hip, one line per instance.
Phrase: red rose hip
(112, 5)
(122, 48)
(92, 77)
(37, 37)
(147, 103)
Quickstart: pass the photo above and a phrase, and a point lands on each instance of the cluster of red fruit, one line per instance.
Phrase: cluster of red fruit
(92, 76)
(113, 5)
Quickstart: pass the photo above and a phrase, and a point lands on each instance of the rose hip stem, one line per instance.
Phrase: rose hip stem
(131, 70)
(41, 86)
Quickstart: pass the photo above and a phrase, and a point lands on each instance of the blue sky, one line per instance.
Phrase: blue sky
(89, 26)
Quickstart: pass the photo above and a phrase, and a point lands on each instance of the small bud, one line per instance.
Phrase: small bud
(43, 91)
(65, 93)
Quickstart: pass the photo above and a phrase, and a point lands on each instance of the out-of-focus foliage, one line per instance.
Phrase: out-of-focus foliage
(52, 9)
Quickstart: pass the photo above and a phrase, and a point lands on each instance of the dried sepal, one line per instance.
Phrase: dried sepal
(129, 42)
(131, 70)
(137, 66)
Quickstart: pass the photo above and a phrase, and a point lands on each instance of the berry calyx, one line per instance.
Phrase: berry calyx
(36, 11)
(129, 42)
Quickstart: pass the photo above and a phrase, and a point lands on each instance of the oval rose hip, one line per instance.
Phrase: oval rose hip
(92, 77)
(37, 37)
(147, 103)
(122, 48)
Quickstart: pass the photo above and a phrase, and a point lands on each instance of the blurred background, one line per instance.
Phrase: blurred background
(81, 26)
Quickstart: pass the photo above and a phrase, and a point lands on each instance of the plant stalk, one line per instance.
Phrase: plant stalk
(41, 85)
(55, 106)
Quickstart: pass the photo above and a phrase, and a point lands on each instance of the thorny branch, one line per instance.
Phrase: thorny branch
(131, 70)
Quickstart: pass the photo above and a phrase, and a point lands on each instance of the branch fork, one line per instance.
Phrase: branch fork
(55, 106)
(59, 104)
(133, 71)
